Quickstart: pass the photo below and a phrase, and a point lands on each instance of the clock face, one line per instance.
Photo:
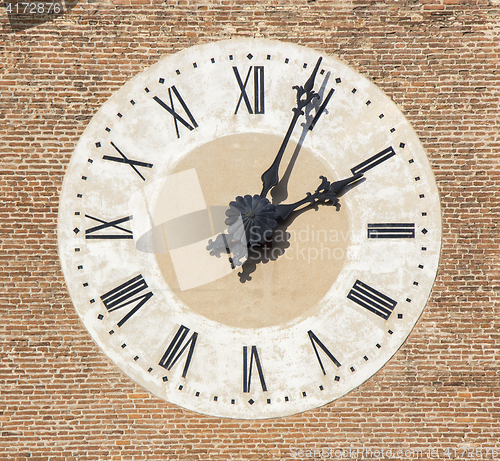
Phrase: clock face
(224, 318)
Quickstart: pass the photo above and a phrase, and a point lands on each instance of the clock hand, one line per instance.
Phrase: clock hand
(326, 192)
(252, 219)
(270, 177)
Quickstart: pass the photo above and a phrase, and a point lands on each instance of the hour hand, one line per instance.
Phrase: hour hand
(326, 192)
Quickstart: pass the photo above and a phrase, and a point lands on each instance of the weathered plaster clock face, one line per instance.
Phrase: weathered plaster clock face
(314, 311)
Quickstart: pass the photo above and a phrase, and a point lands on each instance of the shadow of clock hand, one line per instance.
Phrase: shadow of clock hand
(263, 254)
(257, 231)
(277, 246)
(279, 193)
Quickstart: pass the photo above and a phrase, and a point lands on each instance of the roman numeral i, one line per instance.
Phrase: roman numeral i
(373, 161)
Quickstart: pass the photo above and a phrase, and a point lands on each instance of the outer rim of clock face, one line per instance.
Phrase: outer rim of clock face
(218, 369)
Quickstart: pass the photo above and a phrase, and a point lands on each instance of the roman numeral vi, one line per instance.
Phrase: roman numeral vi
(248, 366)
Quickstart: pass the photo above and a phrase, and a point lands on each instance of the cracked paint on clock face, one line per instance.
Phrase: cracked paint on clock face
(312, 313)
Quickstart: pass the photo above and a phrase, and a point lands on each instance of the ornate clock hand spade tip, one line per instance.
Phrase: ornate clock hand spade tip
(310, 82)
(337, 186)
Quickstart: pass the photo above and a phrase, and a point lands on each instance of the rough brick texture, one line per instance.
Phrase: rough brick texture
(62, 399)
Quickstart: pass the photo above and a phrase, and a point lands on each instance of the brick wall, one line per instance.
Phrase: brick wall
(62, 399)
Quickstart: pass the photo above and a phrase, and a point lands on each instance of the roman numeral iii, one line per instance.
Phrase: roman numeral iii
(391, 231)
(133, 292)
(177, 347)
(371, 299)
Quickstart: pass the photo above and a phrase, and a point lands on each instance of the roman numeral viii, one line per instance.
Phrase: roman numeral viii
(371, 299)
(248, 366)
(177, 347)
(258, 89)
(133, 292)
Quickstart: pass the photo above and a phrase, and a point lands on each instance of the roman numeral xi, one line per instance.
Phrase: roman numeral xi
(170, 108)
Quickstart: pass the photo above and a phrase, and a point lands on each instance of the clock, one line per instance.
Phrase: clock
(249, 229)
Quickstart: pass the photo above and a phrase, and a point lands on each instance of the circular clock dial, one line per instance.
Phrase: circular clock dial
(270, 323)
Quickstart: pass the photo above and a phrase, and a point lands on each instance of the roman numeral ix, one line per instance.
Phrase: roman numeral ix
(129, 293)
(91, 232)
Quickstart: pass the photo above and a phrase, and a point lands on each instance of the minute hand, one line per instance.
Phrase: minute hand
(270, 177)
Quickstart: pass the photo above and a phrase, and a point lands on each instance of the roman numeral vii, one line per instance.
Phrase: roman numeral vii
(177, 347)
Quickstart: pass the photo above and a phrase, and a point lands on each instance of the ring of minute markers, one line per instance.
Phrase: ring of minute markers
(124, 345)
